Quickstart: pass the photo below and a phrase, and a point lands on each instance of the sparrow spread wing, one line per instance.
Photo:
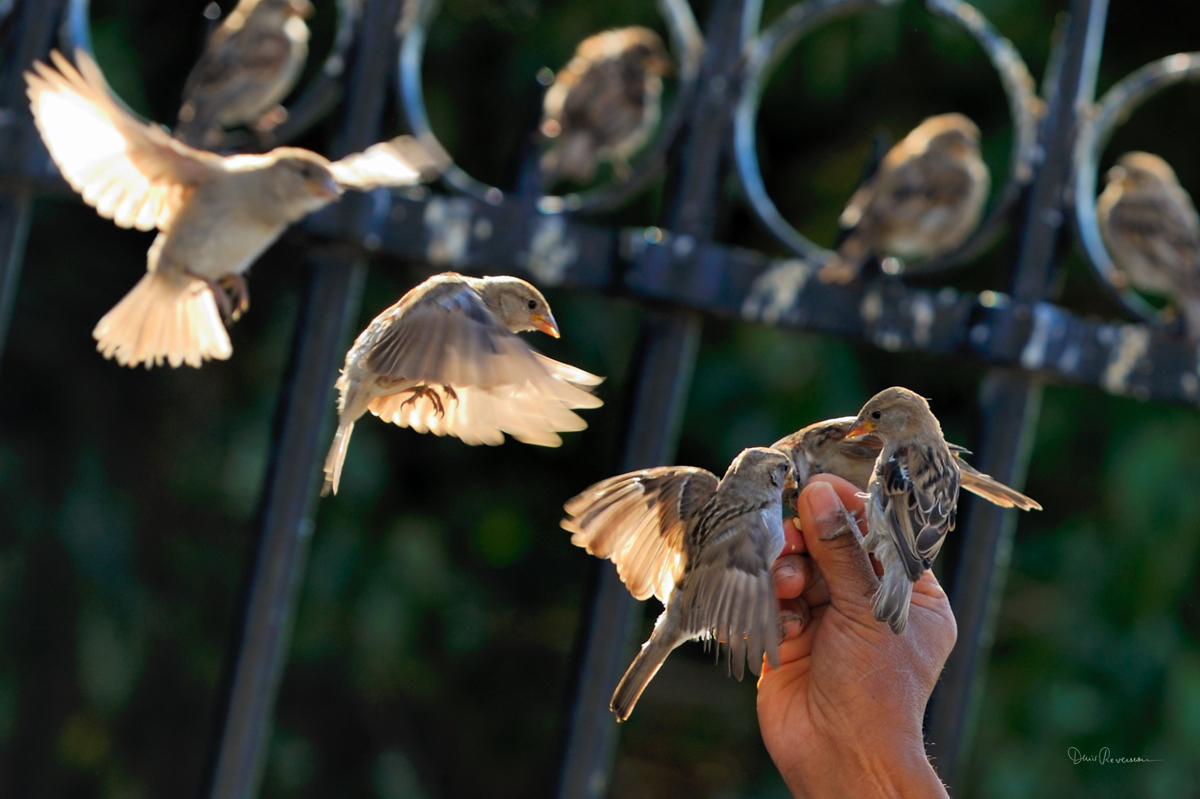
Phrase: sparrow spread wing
(638, 521)
(403, 161)
(130, 171)
(918, 490)
(487, 379)
(728, 593)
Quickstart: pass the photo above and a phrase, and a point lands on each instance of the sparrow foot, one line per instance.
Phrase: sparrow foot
(237, 295)
(847, 524)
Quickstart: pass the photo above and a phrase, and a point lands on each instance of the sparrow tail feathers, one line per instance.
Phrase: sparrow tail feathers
(335, 458)
(895, 591)
(993, 490)
(164, 318)
(650, 658)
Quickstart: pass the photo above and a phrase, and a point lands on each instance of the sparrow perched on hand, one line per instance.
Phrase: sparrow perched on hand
(822, 448)
(913, 495)
(215, 215)
(446, 359)
(704, 547)
(924, 200)
(250, 63)
(1152, 232)
(604, 103)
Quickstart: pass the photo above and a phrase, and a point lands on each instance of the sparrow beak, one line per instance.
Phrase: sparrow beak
(326, 189)
(790, 480)
(860, 429)
(301, 8)
(546, 324)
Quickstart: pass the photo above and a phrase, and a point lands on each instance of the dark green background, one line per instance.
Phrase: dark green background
(431, 652)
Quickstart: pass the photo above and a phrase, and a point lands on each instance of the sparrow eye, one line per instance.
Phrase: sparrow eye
(876, 415)
(532, 304)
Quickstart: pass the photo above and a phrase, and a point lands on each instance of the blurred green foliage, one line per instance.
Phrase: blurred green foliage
(432, 651)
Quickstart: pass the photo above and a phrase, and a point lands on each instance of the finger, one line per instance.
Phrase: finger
(794, 614)
(833, 540)
(791, 574)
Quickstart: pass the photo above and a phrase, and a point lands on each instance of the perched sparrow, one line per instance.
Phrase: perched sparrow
(704, 547)
(913, 495)
(446, 360)
(215, 215)
(1150, 227)
(251, 62)
(924, 200)
(822, 448)
(604, 103)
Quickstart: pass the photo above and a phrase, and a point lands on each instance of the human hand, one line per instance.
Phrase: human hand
(841, 716)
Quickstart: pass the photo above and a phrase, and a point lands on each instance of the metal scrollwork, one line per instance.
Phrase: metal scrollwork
(687, 46)
(763, 54)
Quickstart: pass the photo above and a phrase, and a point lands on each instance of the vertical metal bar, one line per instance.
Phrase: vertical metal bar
(1011, 402)
(259, 650)
(28, 37)
(669, 341)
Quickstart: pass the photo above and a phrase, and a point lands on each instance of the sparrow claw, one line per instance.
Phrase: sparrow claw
(224, 304)
(848, 525)
(425, 391)
(238, 295)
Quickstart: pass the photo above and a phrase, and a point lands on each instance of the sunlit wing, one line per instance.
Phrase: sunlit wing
(403, 161)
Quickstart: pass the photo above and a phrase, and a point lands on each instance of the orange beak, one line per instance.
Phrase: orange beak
(325, 189)
(790, 480)
(546, 324)
(860, 429)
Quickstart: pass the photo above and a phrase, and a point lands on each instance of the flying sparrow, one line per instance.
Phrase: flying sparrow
(822, 448)
(446, 359)
(924, 200)
(215, 215)
(1152, 232)
(604, 103)
(913, 495)
(250, 63)
(704, 547)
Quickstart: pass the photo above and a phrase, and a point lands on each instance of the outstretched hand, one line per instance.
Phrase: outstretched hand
(841, 715)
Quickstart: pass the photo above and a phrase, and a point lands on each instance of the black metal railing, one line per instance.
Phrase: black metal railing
(1024, 337)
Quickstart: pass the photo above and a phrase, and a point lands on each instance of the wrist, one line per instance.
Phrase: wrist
(872, 770)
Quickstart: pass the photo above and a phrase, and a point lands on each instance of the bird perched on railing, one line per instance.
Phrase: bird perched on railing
(446, 359)
(822, 448)
(924, 200)
(215, 215)
(1150, 227)
(604, 104)
(704, 547)
(250, 63)
(913, 495)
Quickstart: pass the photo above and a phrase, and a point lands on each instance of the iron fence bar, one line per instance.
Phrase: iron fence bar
(28, 35)
(669, 343)
(1010, 403)
(259, 651)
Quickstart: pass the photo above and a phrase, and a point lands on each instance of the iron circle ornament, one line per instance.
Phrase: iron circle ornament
(764, 53)
(687, 48)
(319, 97)
(1097, 127)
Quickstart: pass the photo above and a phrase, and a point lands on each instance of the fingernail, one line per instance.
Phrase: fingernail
(823, 501)
(784, 571)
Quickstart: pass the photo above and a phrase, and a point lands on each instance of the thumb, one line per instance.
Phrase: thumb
(833, 539)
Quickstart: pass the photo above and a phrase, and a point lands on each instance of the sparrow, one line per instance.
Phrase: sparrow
(704, 547)
(912, 495)
(250, 63)
(446, 359)
(215, 215)
(604, 104)
(822, 448)
(1150, 227)
(924, 200)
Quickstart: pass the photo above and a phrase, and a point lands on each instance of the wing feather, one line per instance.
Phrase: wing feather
(638, 520)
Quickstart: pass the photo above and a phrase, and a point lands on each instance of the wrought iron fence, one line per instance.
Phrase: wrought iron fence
(682, 275)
